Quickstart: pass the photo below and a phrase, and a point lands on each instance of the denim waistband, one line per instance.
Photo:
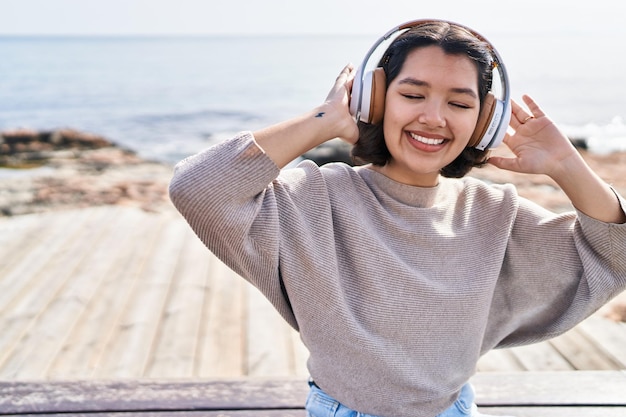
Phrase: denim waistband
(320, 404)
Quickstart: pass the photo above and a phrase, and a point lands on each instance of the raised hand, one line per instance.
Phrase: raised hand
(541, 148)
(338, 101)
(285, 141)
(538, 144)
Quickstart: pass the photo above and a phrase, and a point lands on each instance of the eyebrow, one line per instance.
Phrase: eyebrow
(420, 83)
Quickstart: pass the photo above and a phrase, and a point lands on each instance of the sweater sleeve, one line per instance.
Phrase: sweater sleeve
(558, 270)
(226, 195)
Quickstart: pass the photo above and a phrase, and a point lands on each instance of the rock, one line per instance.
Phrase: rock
(76, 169)
(21, 140)
(25, 147)
(580, 143)
(335, 150)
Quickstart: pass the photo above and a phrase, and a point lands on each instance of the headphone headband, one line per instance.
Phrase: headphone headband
(490, 136)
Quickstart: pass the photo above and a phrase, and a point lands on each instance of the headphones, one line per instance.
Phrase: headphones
(367, 100)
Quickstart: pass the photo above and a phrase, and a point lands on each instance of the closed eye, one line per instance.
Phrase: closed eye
(413, 96)
(461, 105)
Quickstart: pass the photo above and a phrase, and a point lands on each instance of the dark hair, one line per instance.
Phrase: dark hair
(453, 39)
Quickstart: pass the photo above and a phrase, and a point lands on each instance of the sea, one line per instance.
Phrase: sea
(168, 97)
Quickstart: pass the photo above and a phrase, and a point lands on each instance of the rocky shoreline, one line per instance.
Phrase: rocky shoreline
(65, 169)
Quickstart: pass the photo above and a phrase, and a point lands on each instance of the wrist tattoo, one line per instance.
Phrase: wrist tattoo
(320, 114)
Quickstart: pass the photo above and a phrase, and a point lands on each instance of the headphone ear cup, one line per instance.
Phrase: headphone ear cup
(372, 107)
(357, 87)
(377, 100)
(484, 120)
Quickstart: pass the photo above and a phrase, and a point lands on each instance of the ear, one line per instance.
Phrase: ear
(377, 100)
(484, 120)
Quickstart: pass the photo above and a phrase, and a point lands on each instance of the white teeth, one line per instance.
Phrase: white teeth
(427, 141)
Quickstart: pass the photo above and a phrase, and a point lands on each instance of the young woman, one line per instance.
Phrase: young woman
(400, 273)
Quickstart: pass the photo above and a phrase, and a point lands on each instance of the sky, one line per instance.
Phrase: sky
(208, 17)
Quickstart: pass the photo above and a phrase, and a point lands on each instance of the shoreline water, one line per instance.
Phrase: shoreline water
(170, 97)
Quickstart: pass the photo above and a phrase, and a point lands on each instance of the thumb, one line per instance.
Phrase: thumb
(509, 164)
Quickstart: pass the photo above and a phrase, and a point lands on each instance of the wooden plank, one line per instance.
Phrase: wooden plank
(124, 395)
(497, 411)
(20, 269)
(19, 235)
(34, 352)
(541, 357)
(556, 388)
(610, 337)
(595, 344)
(582, 353)
(269, 350)
(499, 360)
(17, 232)
(268, 345)
(27, 303)
(186, 413)
(176, 348)
(506, 392)
(554, 411)
(86, 345)
(129, 349)
(221, 349)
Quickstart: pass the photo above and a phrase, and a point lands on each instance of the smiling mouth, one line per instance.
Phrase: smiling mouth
(427, 141)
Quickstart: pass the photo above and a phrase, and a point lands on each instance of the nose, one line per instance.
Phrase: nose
(432, 114)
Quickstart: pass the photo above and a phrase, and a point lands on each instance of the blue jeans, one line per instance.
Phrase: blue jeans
(320, 404)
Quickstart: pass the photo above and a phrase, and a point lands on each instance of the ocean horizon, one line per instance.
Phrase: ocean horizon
(167, 97)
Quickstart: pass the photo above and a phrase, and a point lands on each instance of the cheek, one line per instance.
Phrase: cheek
(469, 124)
(393, 115)
(389, 120)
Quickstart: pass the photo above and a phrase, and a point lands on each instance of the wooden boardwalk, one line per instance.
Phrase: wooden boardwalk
(116, 292)
(521, 394)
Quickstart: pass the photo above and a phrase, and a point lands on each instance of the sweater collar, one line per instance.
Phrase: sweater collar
(403, 193)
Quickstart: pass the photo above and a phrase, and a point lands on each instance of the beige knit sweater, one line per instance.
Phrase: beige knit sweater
(397, 290)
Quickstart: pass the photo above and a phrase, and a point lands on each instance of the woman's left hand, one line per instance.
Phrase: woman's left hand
(538, 144)
(539, 147)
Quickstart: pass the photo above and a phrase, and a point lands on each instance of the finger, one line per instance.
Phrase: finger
(351, 73)
(346, 77)
(533, 106)
(507, 139)
(520, 115)
(347, 72)
(508, 164)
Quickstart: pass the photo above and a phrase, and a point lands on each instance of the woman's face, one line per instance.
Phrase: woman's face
(431, 110)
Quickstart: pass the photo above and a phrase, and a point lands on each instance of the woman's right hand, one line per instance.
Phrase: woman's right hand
(338, 104)
(285, 141)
